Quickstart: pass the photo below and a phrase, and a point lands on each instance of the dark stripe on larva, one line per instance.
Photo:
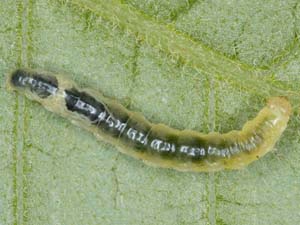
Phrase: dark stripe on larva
(43, 86)
(156, 144)
(84, 104)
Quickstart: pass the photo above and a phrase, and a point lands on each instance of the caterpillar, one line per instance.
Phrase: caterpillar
(156, 144)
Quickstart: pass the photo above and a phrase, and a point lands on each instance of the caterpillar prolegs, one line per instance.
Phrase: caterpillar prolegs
(155, 144)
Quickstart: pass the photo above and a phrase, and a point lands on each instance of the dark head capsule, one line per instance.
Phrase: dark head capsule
(39, 84)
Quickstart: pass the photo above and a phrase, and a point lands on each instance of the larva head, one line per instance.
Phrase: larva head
(38, 84)
(280, 106)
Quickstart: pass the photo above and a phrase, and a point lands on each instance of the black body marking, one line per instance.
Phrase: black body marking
(96, 112)
(84, 104)
(136, 133)
(43, 86)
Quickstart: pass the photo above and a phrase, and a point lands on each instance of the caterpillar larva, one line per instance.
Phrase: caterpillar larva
(156, 144)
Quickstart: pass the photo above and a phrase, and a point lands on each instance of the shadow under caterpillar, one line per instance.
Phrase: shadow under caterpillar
(156, 144)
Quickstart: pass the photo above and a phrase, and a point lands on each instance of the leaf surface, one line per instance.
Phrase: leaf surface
(190, 64)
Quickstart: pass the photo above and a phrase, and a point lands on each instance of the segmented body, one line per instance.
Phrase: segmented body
(156, 144)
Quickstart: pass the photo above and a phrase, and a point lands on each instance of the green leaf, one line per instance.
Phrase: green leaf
(191, 64)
